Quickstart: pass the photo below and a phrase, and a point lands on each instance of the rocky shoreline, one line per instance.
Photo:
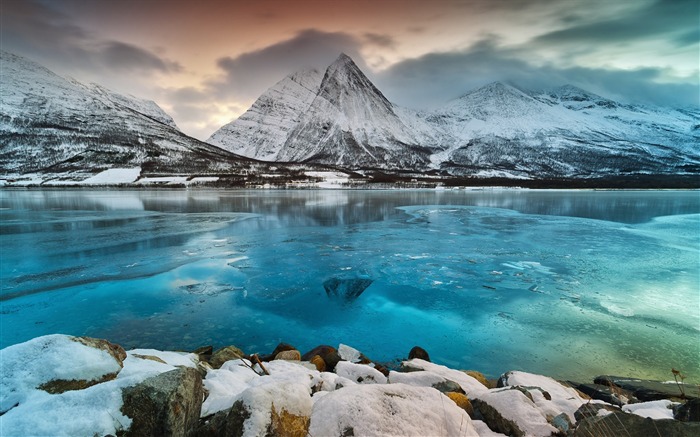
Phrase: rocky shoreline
(63, 385)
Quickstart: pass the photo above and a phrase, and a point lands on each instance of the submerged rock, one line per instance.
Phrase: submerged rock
(168, 404)
(347, 289)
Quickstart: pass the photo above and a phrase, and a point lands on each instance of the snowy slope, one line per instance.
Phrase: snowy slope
(49, 124)
(346, 121)
(148, 108)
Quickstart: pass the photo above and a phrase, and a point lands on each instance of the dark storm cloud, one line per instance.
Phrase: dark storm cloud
(124, 56)
(250, 74)
(670, 18)
(378, 39)
(42, 30)
(433, 79)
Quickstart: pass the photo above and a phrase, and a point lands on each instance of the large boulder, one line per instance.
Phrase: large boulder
(424, 378)
(511, 412)
(388, 409)
(346, 289)
(469, 385)
(56, 364)
(624, 424)
(165, 405)
(551, 397)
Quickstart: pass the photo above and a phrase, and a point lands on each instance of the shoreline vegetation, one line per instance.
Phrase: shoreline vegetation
(64, 385)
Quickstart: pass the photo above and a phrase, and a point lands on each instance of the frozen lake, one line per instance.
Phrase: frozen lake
(568, 283)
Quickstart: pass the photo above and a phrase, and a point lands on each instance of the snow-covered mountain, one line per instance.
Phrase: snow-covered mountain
(566, 132)
(340, 119)
(51, 125)
(497, 130)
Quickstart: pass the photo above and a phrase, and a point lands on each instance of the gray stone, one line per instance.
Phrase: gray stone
(688, 411)
(610, 394)
(623, 424)
(591, 410)
(346, 289)
(227, 423)
(447, 386)
(224, 354)
(168, 404)
(648, 390)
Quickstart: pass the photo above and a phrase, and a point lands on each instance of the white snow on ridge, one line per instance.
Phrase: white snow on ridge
(114, 176)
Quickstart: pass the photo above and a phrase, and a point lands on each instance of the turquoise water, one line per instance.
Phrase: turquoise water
(566, 283)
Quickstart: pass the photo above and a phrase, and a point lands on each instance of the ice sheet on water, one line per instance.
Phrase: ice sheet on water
(480, 287)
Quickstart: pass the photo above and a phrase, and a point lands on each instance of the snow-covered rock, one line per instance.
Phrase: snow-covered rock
(510, 412)
(55, 363)
(551, 397)
(661, 409)
(360, 373)
(471, 386)
(388, 409)
(86, 411)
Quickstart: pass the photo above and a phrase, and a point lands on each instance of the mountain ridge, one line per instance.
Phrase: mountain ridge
(495, 130)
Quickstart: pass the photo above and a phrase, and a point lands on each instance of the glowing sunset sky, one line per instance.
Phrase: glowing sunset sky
(205, 62)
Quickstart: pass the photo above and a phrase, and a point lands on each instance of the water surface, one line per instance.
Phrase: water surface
(567, 283)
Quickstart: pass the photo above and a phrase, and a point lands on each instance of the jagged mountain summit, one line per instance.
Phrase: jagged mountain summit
(343, 120)
(497, 130)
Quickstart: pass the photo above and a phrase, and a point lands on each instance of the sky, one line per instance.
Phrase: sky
(206, 61)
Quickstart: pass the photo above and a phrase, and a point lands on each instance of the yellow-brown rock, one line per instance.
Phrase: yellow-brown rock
(479, 377)
(462, 402)
(317, 361)
(285, 424)
(291, 355)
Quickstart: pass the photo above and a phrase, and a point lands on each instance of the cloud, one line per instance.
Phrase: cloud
(380, 40)
(433, 79)
(250, 74)
(659, 18)
(124, 56)
(41, 30)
